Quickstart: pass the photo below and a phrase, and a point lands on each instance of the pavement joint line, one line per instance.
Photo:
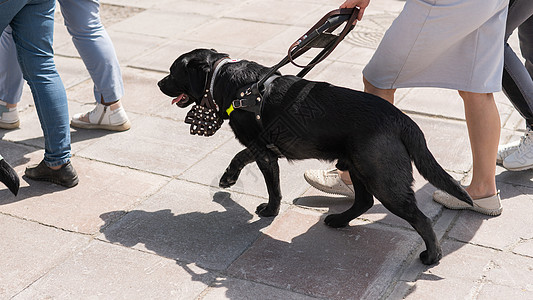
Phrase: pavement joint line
(198, 161)
(477, 245)
(433, 116)
(265, 22)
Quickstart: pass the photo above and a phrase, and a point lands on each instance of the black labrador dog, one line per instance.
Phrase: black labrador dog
(303, 119)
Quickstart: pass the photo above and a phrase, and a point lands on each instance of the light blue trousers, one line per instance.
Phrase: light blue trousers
(82, 19)
(32, 23)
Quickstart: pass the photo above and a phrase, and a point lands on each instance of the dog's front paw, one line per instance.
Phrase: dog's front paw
(264, 210)
(336, 221)
(428, 259)
(227, 180)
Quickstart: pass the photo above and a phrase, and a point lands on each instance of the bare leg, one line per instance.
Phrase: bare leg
(483, 121)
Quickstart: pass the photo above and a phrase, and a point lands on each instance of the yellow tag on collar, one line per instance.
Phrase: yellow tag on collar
(230, 109)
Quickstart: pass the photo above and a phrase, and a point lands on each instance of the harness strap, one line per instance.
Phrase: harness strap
(251, 98)
(207, 99)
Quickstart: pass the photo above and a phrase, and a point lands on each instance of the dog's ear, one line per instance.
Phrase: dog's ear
(197, 70)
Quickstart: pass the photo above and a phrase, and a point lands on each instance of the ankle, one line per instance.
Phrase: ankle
(8, 105)
(55, 168)
(112, 105)
(345, 176)
(479, 191)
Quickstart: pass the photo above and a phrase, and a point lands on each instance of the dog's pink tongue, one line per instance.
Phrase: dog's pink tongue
(178, 99)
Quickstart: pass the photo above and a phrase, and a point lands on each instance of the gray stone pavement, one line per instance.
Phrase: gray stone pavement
(147, 220)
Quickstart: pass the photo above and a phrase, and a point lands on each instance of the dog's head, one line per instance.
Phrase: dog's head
(188, 75)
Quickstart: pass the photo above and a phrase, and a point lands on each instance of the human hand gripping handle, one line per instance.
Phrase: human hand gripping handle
(361, 4)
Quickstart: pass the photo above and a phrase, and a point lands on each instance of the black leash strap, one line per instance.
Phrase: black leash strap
(319, 36)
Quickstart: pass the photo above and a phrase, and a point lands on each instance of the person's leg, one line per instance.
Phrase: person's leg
(82, 19)
(11, 81)
(483, 122)
(33, 35)
(518, 84)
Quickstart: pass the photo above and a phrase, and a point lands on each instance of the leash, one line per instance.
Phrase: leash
(205, 118)
(319, 36)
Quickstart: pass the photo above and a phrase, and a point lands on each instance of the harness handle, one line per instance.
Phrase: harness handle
(310, 39)
(323, 29)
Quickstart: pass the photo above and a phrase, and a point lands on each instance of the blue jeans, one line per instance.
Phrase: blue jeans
(82, 19)
(517, 78)
(32, 22)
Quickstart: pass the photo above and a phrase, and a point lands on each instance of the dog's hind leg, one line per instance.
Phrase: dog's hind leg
(235, 167)
(404, 206)
(363, 202)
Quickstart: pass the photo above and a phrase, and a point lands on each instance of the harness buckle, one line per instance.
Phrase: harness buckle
(239, 103)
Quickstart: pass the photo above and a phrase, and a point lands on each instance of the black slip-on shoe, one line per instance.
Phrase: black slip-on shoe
(65, 176)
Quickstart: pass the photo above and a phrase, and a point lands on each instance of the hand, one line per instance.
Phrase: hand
(361, 4)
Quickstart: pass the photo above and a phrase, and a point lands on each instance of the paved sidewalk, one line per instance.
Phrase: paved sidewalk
(147, 220)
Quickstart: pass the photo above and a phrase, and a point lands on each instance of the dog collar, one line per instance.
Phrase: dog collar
(205, 118)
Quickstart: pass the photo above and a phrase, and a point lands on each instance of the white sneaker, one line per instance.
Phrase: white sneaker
(9, 117)
(112, 117)
(488, 206)
(506, 150)
(329, 181)
(522, 158)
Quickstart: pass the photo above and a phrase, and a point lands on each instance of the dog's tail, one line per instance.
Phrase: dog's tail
(9, 177)
(415, 142)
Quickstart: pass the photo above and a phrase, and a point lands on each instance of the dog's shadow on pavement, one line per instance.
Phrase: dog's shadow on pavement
(210, 239)
(221, 247)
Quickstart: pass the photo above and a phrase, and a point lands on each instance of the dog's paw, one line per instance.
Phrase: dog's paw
(264, 210)
(336, 221)
(428, 259)
(227, 180)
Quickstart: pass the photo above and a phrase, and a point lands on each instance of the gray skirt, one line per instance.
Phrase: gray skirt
(455, 44)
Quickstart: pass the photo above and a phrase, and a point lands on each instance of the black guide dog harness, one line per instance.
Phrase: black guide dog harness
(206, 119)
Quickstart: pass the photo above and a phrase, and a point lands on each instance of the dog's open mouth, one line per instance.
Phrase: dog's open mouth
(182, 100)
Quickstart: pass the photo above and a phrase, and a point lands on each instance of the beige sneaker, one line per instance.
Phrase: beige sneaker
(329, 181)
(489, 205)
(112, 117)
(9, 117)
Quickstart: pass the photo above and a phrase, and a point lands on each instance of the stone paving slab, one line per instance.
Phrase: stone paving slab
(69, 209)
(106, 271)
(165, 150)
(473, 272)
(230, 288)
(300, 253)
(169, 24)
(30, 250)
(190, 223)
(503, 232)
